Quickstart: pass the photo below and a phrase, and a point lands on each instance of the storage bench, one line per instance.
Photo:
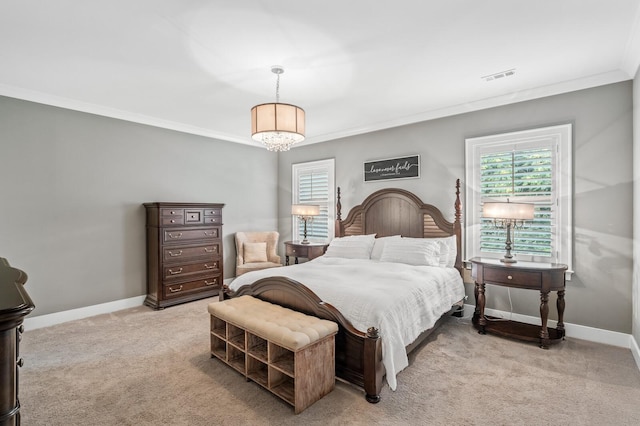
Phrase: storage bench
(287, 352)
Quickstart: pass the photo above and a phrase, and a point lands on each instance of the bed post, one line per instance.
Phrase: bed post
(373, 371)
(457, 226)
(339, 230)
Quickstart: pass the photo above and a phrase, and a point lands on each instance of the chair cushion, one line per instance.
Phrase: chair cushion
(255, 252)
(248, 267)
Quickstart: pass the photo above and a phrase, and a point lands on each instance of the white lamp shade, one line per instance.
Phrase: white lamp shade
(517, 211)
(305, 210)
(277, 118)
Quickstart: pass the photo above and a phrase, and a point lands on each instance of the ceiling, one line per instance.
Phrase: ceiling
(356, 66)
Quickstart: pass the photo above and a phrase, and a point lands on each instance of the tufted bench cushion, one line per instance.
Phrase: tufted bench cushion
(282, 326)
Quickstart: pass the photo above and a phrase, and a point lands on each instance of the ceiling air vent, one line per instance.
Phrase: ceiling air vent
(499, 75)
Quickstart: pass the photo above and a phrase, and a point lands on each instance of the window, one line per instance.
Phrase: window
(531, 166)
(313, 184)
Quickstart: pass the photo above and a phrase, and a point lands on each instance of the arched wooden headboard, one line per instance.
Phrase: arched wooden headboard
(393, 211)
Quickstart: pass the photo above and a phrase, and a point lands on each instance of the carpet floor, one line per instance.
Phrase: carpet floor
(144, 367)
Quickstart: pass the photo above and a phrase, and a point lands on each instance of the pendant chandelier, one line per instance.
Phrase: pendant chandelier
(278, 126)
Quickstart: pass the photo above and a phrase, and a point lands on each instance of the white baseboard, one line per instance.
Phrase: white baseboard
(32, 323)
(572, 330)
(597, 335)
(635, 350)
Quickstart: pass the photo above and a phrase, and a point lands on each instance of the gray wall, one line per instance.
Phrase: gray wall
(72, 190)
(599, 295)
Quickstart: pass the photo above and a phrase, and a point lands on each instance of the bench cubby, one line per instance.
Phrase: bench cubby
(262, 345)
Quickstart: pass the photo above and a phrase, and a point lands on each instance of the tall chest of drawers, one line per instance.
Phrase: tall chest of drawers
(184, 252)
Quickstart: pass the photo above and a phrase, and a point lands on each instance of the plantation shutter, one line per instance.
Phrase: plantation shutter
(313, 187)
(520, 175)
(313, 183)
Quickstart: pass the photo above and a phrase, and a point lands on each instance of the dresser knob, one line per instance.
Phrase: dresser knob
(173, 221)
(509, 277)
(20, 362)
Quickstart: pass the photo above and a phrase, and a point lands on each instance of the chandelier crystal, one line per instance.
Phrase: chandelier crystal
(278, 126)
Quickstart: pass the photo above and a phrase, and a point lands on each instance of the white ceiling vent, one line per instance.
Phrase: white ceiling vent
(499, 75)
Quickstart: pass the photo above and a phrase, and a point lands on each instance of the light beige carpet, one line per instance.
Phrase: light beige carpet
(145, 367)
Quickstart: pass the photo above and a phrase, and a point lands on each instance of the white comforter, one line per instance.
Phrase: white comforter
(400, 300)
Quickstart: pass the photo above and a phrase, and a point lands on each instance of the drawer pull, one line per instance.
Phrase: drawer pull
(214, 282)
(175, 254)
(294, 250)
(175, 236)
(208, 250)
(509, 277)
(209, 234)
(172, 212)
(175, 290)
(20, 362)
(210, 267)
(172, 272)
(173, 221)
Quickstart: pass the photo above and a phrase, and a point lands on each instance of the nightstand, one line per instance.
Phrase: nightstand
(297, 249)
(544, 277)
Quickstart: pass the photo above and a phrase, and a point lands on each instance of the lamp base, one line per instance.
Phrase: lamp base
(505, 260)
(305, 241)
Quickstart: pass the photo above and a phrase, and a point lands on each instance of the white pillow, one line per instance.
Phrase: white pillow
(255, 252)
(448, 250)
(412, 251)
(378, 246)
(351, 247)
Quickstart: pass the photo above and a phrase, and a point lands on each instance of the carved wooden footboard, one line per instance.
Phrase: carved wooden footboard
(358, 354)
(386, 212)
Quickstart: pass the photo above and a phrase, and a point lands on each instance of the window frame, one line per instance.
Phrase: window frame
(560, 138)
(297, 170)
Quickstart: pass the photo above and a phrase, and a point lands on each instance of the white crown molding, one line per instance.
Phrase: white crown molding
(75, 105)
(521, 96)
(631, 57)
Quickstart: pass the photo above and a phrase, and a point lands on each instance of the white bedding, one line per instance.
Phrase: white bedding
(400, 300)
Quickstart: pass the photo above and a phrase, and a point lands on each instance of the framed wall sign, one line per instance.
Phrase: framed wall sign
(393, 168)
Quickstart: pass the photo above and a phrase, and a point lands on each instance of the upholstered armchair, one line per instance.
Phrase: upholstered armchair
(256, 250)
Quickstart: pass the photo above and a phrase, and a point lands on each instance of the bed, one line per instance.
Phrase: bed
(323, 287)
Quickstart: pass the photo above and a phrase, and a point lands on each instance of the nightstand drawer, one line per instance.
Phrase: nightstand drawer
(297, 250)
(513, 278)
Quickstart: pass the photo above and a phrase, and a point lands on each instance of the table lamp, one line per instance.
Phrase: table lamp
(508, 216)
(306, 212)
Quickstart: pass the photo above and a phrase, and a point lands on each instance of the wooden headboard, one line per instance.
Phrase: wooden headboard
(393, 211)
